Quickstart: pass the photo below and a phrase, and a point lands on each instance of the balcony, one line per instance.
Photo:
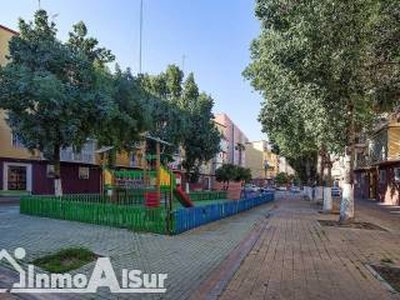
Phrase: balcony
(86, 155)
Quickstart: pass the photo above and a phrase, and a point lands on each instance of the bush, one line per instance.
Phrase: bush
(230, 172)
(282, 178)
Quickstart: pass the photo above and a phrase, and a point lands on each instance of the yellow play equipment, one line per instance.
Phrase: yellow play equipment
(137, 178)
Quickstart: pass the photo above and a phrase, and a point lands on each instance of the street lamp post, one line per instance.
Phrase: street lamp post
(140, 36)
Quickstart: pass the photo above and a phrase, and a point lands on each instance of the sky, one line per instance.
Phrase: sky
(210, 38)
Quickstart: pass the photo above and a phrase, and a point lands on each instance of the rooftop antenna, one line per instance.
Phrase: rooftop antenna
(140, 36)
(39, 4)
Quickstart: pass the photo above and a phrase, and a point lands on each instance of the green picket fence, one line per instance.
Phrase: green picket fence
(101, 210)
(138, 218)
(203, 196)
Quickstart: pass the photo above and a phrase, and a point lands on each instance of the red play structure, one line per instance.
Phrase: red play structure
(182, 197)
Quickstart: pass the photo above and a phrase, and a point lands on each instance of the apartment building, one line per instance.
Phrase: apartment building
(377, 165)
(235, 140)
(264, 164)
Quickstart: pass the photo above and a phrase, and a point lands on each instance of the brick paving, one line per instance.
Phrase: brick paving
(296, 258)
(290, 255)
(188, 259)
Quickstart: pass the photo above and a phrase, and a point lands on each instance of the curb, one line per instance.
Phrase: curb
(215, 284)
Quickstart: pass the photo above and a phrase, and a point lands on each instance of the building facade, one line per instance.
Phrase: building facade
(232, 150)
(207, 169)
(377, 166)
(235, 140)
(264, 164)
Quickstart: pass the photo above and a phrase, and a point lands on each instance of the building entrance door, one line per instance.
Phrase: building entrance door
(372, 178)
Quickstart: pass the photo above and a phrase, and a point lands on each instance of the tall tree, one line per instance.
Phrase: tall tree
(174, 79)
(316, 56)
(130, 115)
(51, 90)
(202, 138)
(183, 117)
(167, 120)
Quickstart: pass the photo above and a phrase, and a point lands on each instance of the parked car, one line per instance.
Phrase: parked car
(269, 189)
(336, 191)
(282, 188)
(251, 188)
(295, 189)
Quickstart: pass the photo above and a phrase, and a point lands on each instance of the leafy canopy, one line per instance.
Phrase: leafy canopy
(51, 90)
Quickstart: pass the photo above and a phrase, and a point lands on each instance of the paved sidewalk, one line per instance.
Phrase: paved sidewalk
(296, 258)
(188, 258)
(9, 201)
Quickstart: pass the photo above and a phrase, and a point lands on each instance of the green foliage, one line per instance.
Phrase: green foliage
(58, 95)
(79, 41)
(243, 174)
(305, 166)
(225, 173)
(65, 260)
(316, 65)
(167, 120)
(130, 114)
(52, 91)
(182, 116)
(202, 138)
(282, 178)
(230, 172)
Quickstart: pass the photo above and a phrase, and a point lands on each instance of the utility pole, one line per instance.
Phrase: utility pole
(140, 36)
(39, 4)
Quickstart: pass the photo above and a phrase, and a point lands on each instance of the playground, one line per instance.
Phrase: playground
(151, 199)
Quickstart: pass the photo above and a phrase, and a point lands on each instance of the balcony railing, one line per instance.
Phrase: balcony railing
(86, 155)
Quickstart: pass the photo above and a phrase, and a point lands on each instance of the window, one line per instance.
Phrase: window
(50, 171)
(133, 160)
(84, 173)
(382, 176)
(16, 141)
(17, 179)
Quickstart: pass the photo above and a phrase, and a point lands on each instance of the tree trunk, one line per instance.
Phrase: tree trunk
(328, 204)
(320, 170)
(308, 170)
(57, 172)
(321, 157)
(347, 203)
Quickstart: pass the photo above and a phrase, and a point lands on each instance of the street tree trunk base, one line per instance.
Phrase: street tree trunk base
(318, 194)
(347, 204)
(307, 193)
(57, 187)
(346, 221)
(328, 205)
